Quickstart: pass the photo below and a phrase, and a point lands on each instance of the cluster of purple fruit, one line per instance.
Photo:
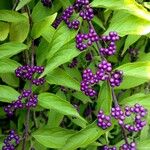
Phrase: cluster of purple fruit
(104, 72)
(46, 3)
(27, 96)
(27, 72)
(111, 48)
(8, 142)
(73, 63)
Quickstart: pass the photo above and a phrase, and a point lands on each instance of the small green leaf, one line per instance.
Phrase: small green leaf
(52, 137)
(4, 30)
(134, 74)
(11, 16)
(40, 27)
(21, 4)
(52, 101)
(84, 137)
(104, 101)
(7, 94)
(60, 77)
(66, 53)
(11, 48)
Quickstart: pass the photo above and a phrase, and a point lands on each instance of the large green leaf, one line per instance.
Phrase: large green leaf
(40, 27)
(11, 16)
(8, 66)
(21, 4)
(11, 48)
(84, 137)
(19, 31)
(129, 6)
(104, 101)
(66, 53)
(4, 30)
(7, 94)
(134, 74)
(125, 24)
(52, 101)
(143, 145)
(61, 77)
(52, 137)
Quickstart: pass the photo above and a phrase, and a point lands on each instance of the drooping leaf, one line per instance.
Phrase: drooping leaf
(60, 77)
(11, 16)
(134, 74)
(21, 4)
(104, 101)
(66, 53)
(40, 27)
(52, 137)
(84, 137)
(11, 48)
(4, 30)
(8, 94)
(52, 101)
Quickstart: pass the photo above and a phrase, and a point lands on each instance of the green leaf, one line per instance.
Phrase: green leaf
(11, 48)
(19, 31)
(134, 74)
(61, 37)
(11, 16)
(129, 41)
(8, 66)
(143, 145)
(104, 101)
(52, 101)
(84, 137)
(4, 30)
(98, 22)
(7, 94)
(40, 27)
(141, 98)
(66, 53)
(60, 77)
(129, 6)
(125, 24)
(52, 137)
(21, 4)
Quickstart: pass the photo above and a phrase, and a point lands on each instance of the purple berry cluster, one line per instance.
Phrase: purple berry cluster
(139, 112)
(111, 46)
(89, 57)
(109, 148)
(104, 72)
(8, 142)
(66, 17)
(83, 41)
(27, 72)
(73, 63)
(46, 3)
(30, 101)
(130, 146)
(104, 121)
(57, 22)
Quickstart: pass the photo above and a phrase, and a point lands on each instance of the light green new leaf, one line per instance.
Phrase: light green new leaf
(4, 30)
(66, 53)
(104, 101)
(126, 24)
(52, 137)
(129, 41)
(61, 37)
(141, 98)
(143, 145)
(8, 65)
(129, 6)
(21, 4)
(84, 137)
(11, 16)
(61, 77)
(40, 27)
(11, 48)
(52, 101)
(8, 94)
(19, 31)
(134, 74)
